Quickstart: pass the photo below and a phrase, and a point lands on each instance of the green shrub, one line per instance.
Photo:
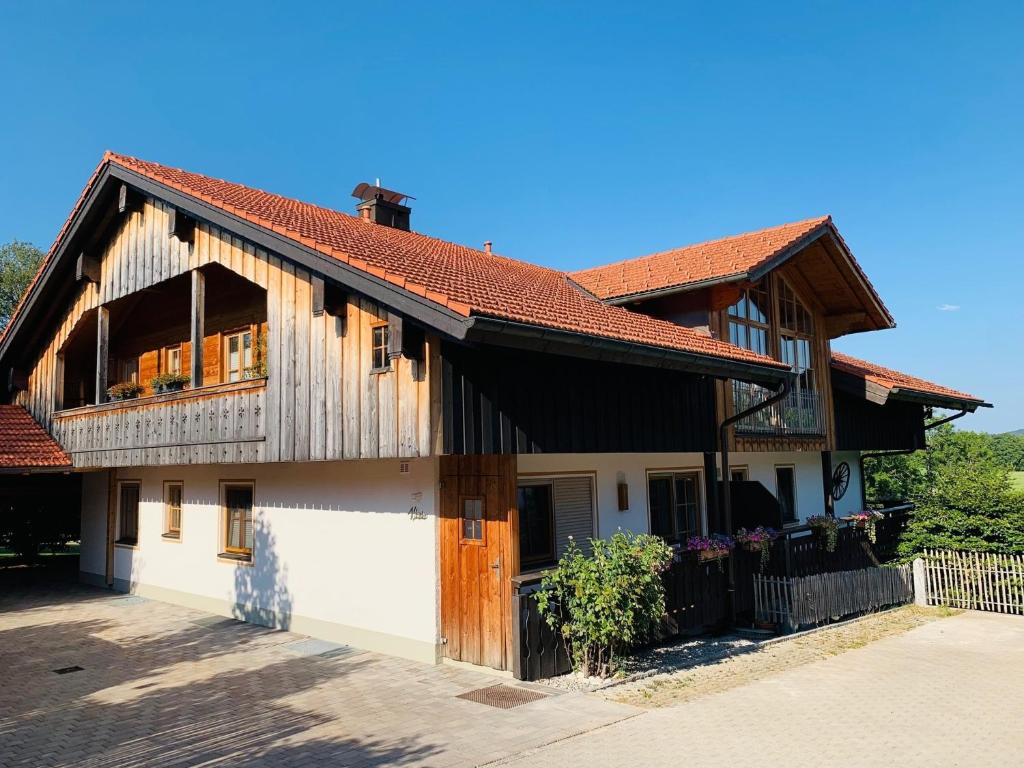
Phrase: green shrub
(605, 603)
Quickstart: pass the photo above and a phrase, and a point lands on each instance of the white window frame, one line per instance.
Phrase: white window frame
(702, 495)
(796, 504)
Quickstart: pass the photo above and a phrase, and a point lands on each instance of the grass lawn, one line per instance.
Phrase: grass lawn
(72, 550)
(1017, 478)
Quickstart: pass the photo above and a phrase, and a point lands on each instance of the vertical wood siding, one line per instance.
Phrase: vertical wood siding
(321, 402)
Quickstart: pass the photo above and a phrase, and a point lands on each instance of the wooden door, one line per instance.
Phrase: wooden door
(478, 557)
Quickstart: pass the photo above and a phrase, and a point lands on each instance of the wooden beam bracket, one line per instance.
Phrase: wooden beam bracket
(87, 268)
(129, 199)
(181, 226)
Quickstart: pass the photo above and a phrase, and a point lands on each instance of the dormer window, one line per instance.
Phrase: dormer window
(748, 319)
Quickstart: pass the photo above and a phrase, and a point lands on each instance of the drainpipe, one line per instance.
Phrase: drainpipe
(901, 452)
(723, 440)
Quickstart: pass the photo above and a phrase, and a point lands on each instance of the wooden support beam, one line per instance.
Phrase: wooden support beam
(198, 326)
(87, 268)
(826, 476)
(102, 347)
(318, 296)
(128, 199)
(181, 226)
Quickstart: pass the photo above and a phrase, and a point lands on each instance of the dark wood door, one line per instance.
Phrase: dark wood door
(478, 559)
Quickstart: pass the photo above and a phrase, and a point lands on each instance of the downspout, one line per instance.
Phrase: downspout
(901, 452)
(723, 440)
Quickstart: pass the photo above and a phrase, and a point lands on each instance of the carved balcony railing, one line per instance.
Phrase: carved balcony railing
(800, 413)
(212, 424)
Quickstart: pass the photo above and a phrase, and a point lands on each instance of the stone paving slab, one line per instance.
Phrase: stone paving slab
(948, 693)
(163, 685)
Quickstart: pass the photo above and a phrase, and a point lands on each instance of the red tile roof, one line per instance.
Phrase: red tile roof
(465, 280)
(25, 444)
(736, 255)
(891, 379)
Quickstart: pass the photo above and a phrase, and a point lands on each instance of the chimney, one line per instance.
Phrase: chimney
(487, 246)
(382, 206)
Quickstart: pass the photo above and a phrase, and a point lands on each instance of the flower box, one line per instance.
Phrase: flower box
(712, 554)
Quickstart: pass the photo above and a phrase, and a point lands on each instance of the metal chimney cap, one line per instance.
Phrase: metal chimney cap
(365, 191)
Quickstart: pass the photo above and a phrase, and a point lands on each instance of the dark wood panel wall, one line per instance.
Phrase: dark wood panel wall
(503, 401)
(865, 426)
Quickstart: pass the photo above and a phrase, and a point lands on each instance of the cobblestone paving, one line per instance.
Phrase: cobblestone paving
(947, 693)
(158, 689)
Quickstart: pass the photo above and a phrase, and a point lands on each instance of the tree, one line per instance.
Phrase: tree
(962, 490)
(18, 264)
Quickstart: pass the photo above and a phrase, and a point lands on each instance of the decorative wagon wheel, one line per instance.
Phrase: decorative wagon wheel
(840, 481)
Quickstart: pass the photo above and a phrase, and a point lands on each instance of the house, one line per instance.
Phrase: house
(381, 430)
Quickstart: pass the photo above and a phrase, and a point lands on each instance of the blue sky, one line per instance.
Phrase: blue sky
(573, 134)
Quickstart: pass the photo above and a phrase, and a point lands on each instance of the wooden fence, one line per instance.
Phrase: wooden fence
(979, 581)
(805, 601)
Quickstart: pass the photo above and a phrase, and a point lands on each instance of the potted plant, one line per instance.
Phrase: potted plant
(758, 540)
(170, 382)
(125, 390)
(713, 547)
(866, 520)
(827, 528)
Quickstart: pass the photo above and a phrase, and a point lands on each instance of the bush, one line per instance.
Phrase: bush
(608, 602)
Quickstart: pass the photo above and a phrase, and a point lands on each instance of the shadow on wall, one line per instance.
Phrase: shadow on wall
(261, 594)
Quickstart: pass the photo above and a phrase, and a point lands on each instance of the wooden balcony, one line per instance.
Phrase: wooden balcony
(800, 413)
(223, 423)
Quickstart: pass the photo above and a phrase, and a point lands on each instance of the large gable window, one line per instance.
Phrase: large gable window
(748, 319)
(796, 333)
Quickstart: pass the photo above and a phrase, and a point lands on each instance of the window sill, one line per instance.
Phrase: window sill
(379, 371)
(171, 536)
(234, 558)
(127, 543)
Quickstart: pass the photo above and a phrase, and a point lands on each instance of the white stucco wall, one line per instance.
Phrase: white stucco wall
(632, 468)
(337, 553)
(852, 500)
(93, 543)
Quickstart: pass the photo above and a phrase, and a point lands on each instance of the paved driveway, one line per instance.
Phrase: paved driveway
(166, 686)
(949, 693)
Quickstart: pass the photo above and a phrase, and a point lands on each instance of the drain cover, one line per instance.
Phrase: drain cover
(502, 696)
(322, 648)
(66, 670)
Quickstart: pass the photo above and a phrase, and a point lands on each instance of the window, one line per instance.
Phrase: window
(128, 370)
(237, 502)
(128, 513)
(381, 338)
(738, 474)
(172, 359)
(237, 354)
(172, 510)
(785, 492)
(748, 319)
(536, 525)
(473, 519)
(675, 505)
(796, 333)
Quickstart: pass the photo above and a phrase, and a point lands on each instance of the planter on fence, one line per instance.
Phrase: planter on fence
(713, 547)
(758, 540)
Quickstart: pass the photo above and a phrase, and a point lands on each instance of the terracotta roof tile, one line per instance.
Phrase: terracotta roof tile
(735, 255)
(25, 444)
(891, 379)
(465, 280)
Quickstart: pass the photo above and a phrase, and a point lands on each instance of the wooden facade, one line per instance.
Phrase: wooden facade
(502, 401)
(319, 400)
(865, 426)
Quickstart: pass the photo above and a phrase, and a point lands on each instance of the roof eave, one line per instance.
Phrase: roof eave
(937, 400)
(556, 341)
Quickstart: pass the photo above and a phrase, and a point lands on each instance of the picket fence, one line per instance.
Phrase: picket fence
(980, 581)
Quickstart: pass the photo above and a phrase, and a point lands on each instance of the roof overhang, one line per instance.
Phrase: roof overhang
(555, 341)
(880, 393)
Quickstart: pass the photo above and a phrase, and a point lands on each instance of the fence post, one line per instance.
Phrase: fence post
(920, 583)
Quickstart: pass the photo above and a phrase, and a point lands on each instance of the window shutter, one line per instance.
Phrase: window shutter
(574, 512)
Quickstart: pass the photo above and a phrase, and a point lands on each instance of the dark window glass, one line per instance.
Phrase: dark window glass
(675, 505)
(785, 483)
(128, 525)
(536, 526)
(473, 519)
